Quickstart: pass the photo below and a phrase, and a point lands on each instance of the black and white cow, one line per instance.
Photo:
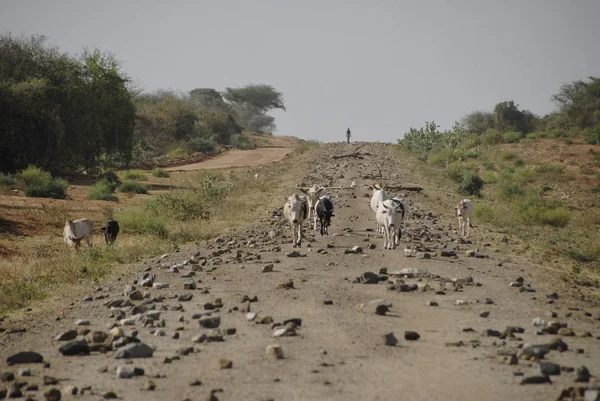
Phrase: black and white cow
(111, 230)
(324, 212)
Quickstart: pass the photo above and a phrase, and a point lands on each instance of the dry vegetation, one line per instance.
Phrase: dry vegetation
(539, 196)
(193, 206)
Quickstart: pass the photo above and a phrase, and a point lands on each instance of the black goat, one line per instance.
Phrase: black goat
(324, 212)
(111, 230)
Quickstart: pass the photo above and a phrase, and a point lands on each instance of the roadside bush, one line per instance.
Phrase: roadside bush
(203, 145)
(102, 191)
(134, 175)
(160, 173)
(492, 137)
(512, 137)
(133, 187)
(241, 142)
(583, 255)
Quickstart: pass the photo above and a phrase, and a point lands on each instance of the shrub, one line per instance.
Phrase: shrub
(140, 221)
(31, 174)
(133, 187)
(7, 181)
(102, 191)
(160, 173)
(492, 137)
(519, 163)
(180, 205)
(111, 179)
(41, 184)
(134, 175)
(486, 213)
(203, 145)
(489, 177)
(592, 135)
(506, 156)
(241, 142)
(471, 184)
(512, 137)
(583, 255)
(178, 153)
(537, 210)
(48, 188)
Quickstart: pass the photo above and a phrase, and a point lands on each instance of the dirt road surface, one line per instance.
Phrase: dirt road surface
(279, 148)
(465, 351)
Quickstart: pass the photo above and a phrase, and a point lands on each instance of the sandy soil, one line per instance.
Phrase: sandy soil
(278, 148)
(338, 352)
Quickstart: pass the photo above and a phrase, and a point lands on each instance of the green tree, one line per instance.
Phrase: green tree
(579, 101)
(260, 98)
(478, 122)
(508, 117)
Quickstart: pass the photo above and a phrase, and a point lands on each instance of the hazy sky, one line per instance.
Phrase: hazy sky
(378, 67)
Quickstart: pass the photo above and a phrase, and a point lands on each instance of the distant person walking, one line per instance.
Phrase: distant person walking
(348, 135)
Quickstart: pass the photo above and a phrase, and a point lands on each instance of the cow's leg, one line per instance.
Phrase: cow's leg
(299, 235)
(316, 216)
(467, 222)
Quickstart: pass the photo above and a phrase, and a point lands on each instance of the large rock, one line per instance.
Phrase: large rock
(135, 350)
(76, 347)
(25, 357)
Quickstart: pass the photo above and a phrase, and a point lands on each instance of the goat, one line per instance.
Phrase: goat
(312, 194)
(387, 217)
(111, 230)
(379, 195)
(324, 212)
(295, 211)
(77, 230)
(465, 210)
(401, 210)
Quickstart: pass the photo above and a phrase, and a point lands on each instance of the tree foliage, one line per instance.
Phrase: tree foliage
(508, 117)
(260, 98)
(579, 102)
(60, 112)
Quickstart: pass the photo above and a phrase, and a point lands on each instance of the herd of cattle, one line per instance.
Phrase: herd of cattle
(390, 212)
(313, 203)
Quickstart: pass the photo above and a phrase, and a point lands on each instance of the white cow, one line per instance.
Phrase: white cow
(313, 194)
(77, 230)
(387, 217)
(465, 210)
(401, 210)
(379, 195)
(295, 211)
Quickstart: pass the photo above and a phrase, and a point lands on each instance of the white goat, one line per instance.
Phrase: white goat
(77, 230)
(401, 210)
(387, 217)
(295, 211)
(313, 194)
(379, 195)
(465, 210)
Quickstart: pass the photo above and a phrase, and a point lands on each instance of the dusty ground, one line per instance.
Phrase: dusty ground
(338, 352)
(276, 150)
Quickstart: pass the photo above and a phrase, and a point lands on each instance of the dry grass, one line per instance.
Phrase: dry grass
(35, 259)
(544, 204)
